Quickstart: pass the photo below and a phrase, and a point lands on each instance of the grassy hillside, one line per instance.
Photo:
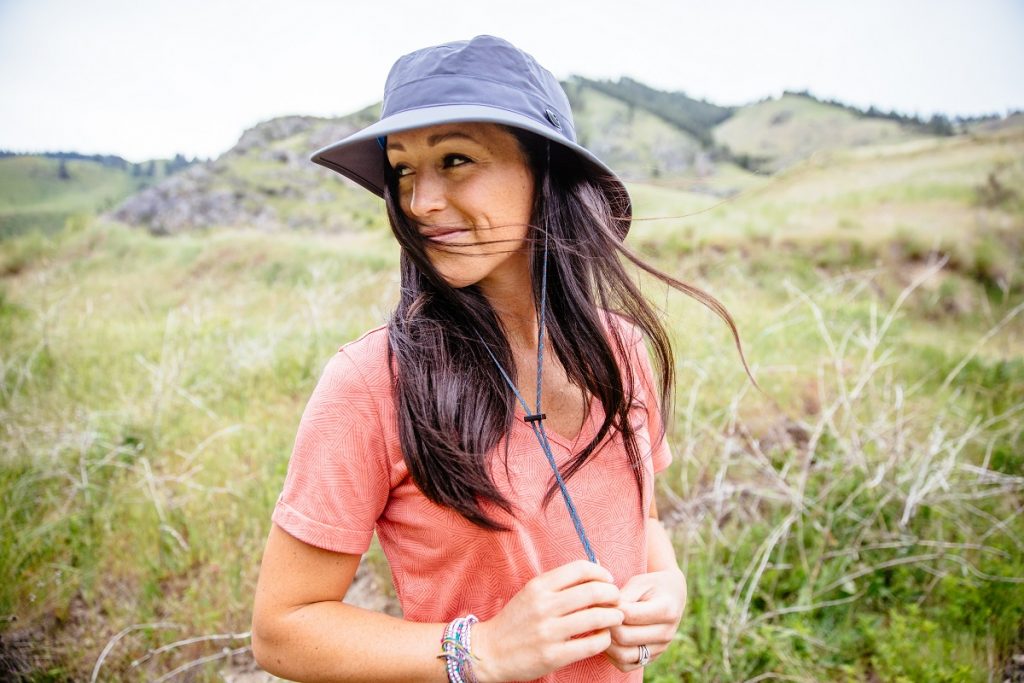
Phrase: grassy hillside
(694, 117)
(33, 196)
(935, 191)
(632, 140)
(1014, 121)
(857, 521)
(776, 133)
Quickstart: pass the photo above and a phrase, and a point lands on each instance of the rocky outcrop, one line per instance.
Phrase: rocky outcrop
(265, 181)
(189, 201)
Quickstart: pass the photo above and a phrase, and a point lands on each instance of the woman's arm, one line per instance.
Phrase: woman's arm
(661, 554)
(302, 631)
(652, 604)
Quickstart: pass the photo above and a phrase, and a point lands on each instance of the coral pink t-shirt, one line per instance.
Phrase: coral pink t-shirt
(347, 477)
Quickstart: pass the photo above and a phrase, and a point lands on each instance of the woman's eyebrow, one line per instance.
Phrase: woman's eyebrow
(442, 137)
(436, 139)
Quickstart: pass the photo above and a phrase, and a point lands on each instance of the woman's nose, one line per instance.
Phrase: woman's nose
(427, 194)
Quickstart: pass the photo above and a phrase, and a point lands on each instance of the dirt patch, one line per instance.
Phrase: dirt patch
(371, 591)
(32, 651)
(244, 669)
(18, 658)
(1014, 670)
(48, 647)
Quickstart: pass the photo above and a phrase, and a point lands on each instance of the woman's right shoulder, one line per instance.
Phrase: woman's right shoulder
(370, 347)
(361, 364)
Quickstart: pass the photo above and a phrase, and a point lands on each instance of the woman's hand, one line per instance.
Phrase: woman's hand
(652, 606)
(559, 617)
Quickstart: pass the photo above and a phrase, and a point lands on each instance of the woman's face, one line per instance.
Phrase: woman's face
(469, 189)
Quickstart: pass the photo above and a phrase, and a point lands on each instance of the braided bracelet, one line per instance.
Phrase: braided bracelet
(455, 649)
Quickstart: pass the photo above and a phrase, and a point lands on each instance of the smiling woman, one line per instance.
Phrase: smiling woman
(470, 190)
(522, 537)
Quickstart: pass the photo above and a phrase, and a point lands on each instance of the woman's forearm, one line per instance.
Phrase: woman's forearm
(661, 554)
(335, 641)
(301, 630)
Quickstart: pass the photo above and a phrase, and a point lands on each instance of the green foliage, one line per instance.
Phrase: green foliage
(908, 647)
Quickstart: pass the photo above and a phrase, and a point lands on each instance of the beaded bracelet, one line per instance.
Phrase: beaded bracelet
(455, 649)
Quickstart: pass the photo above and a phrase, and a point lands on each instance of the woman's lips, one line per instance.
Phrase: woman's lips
(445, 234)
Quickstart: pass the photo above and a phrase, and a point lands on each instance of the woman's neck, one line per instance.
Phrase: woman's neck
(521, 329)
(511, 297)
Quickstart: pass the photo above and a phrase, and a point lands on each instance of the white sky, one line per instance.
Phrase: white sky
(148, 78)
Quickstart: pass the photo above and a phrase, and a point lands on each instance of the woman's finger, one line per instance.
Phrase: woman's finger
(571, 574)
(585, 621)
(643, 635)
(627, 658)
(586, 646)
(585, 595)
(655, 611)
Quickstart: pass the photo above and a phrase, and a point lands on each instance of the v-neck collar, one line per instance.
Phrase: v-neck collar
(570, 444)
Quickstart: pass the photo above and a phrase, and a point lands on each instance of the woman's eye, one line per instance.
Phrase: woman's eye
(451, 160)
(401, 170)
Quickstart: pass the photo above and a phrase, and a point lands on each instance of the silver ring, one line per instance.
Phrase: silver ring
(645, 656)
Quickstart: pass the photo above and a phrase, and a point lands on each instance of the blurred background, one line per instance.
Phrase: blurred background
(847, 178)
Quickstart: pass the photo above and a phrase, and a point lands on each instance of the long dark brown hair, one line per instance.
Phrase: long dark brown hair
(453, 404)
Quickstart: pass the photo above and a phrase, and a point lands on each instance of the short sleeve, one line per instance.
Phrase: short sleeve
(338, 476)
(661, 455)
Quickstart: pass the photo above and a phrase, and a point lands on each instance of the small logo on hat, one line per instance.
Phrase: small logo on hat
(552, 117)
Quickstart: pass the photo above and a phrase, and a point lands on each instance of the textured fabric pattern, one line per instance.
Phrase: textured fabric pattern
(347, 477)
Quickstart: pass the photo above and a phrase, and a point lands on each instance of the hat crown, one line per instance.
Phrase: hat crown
(486, 71)
(485, 80)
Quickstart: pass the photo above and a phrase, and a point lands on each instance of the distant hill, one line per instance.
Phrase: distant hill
(665, 139)
(765, 136)
(695, 117)
(40, 191)
(996, 124)
(773, 134)
(632, 139)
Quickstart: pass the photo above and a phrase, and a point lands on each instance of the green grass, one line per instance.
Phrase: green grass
(825, 538)
(169, 373)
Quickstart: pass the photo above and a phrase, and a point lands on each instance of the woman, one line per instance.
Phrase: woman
(523, 539)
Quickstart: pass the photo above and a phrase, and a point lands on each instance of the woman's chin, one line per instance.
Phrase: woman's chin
(458, 282)
(457, 272)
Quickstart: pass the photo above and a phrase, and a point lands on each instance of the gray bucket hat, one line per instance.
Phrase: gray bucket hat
(485, 79)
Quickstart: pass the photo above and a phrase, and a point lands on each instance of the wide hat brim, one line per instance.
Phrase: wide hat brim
(360, 157)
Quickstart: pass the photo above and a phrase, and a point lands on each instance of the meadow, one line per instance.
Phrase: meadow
(858, 519)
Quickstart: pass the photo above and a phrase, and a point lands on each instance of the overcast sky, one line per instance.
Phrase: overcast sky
(149, 78)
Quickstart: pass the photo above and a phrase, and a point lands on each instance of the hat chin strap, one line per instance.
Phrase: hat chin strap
(535, 418)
